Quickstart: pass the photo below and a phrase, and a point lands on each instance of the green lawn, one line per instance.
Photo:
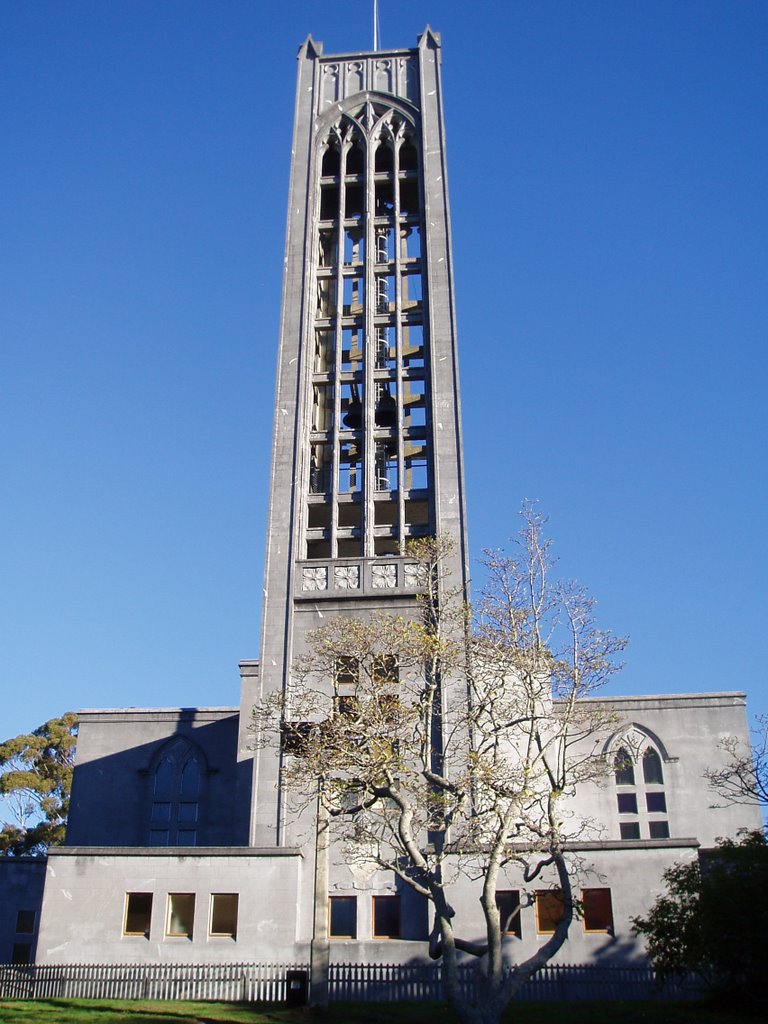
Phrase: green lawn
(112, 1011)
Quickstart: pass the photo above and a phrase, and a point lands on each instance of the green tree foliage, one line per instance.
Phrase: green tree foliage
(713, 917)
(35, 782)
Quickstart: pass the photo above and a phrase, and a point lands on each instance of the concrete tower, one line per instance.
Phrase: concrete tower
(367, 445)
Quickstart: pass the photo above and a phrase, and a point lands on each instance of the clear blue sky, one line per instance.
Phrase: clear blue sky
(607, 169)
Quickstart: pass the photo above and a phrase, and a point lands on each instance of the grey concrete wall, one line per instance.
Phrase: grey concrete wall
(21, 888)
(83, 914)
(686, 729)
(112, 786)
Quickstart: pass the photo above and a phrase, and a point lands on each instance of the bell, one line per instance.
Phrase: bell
(353, 417)
(386, 410)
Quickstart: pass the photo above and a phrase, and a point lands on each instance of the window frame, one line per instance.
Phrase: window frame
(169, 911)
(606, 929)
(515, 917)
(542, 897)
(126, 910)
(337, 900)
(384, 899)
(215, 897)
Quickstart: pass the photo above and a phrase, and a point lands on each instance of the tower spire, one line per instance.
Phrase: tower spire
(375, 24)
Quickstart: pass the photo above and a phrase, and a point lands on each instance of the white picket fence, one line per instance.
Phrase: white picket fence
(250, 982)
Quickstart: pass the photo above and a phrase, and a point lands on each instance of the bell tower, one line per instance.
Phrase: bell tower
(367, 447)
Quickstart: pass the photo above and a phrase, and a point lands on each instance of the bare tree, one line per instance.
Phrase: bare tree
(440, 748)
(743, 778)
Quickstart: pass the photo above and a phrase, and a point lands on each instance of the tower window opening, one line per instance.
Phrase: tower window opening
(409, 198)
(408, 159)
(410, 242)
(322, 407)
(411, 291)
(324, 349)
(414, 403)
(413, 346)
(350, 468)
(386, 405)
(386, 348)
(385, 293)
(353, 295)
(415, 467)
(320, 548)
(385, 199)
(417, 513)
(385, 513)
(384, 160)
(354, 247)
(320, 469)
(331, 165)
(351, 349)
(319, 516)
(386, 466)
(326, 298)
(350, 515)
(354, 202)
(329, 202)
(383, 546)
(385, 244)
(327, 247)
(350, 547)
(355, 160)
(352, 406)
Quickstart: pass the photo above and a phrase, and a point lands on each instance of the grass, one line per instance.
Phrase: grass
(115, 1011)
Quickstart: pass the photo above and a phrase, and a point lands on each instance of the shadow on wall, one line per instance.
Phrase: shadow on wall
(185, 787)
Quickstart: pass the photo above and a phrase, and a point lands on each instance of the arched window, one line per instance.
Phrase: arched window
(625, 770)
(176, 796)
(652, 773)
(642, 805)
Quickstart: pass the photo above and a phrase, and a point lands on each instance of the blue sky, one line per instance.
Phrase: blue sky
(607, 171)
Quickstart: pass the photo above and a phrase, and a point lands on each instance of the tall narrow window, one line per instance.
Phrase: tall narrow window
(598, 911)
(138, 913)
(549, 910)
(508, 902)
(386, 917)
(180, 919)
(343, 917)
(224, 907)
(175, 812)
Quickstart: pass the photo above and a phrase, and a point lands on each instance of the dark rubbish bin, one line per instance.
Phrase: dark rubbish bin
(297, 988)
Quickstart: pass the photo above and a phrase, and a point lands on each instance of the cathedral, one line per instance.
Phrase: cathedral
(181, 845)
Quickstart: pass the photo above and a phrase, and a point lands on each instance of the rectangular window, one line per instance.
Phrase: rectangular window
(627, 803)
(658, 829)
(346, 671)
(386, 917)
(25, 922)
(22, 953)
(598, 912)
(343, 917)
(549, 910)
(629, 830)
(138, 913)
(181, 914)
(508, 902)
(385, 670)
(656, 803)
(224, 914)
